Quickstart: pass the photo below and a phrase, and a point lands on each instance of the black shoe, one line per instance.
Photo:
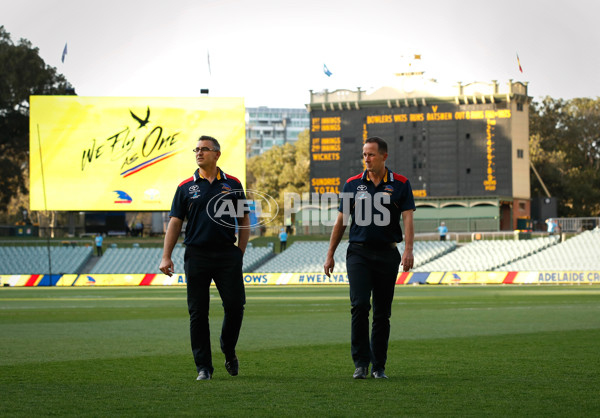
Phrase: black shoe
(360, 373)
(378, 374)
(203, 375)
(232, 366)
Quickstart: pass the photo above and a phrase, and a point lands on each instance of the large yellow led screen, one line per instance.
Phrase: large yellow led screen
(115, 154)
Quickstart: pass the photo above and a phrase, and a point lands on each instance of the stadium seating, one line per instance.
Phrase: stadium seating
(305, 257)
(487, 255)
(138, 260)
(581, 252)
(425, 251)
(34, 259)
(135, 260)
(309, 256)
(255, 256)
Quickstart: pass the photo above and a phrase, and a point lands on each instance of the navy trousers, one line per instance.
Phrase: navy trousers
(224, 266)
(372, 272)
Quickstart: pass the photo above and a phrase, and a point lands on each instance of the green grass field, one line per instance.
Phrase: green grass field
(454, 351)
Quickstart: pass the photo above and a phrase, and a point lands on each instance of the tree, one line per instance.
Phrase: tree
(22, 73)
(280, 170)
(565, 149)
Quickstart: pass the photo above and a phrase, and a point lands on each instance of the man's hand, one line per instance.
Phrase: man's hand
(173, 231)
(167, 266)
(336, 236)
(408, 260)
(329, 265)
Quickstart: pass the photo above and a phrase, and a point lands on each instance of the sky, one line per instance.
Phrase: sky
(272, 52)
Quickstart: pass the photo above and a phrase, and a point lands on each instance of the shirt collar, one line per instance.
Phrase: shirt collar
(220, 175)
(388, 176)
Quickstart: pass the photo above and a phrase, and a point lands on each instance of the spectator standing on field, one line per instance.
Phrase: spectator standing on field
(99, 241)
(283, 236)
(551, 226)
(443, 230)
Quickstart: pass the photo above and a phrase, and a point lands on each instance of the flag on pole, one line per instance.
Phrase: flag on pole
(519, 62)
(326, 71)
(208, 59)
(64, 54)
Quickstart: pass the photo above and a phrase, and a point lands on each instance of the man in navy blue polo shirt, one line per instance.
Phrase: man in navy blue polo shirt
(214, 204)
(375, 200)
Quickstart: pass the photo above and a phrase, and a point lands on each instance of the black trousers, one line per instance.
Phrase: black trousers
(371, 272)
(224, 266)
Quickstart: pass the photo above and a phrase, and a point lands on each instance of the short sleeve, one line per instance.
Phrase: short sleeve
(408, 200)
(346, 203)
(178, 207)
(241, 196)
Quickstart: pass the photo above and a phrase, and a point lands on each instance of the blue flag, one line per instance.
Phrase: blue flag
(325, 70)
(64, 54)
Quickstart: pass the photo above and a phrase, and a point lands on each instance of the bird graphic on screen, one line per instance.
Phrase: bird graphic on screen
(122, 197)
(139, 120)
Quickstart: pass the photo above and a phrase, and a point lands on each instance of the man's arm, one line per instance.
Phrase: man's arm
(173, 231)
(408, 258)
(336, 236)
(244, 232)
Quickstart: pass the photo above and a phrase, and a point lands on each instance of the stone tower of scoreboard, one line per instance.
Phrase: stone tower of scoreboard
(465, 150)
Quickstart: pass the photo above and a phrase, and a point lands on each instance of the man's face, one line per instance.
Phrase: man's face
(374, 160)
(207, 159)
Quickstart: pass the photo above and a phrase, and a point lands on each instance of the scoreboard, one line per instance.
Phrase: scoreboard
(445, 149)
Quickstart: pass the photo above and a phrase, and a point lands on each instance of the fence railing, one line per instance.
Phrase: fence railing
(422, 226)
(577, 224)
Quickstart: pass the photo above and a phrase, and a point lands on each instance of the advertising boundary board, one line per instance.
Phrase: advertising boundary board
(280, 279)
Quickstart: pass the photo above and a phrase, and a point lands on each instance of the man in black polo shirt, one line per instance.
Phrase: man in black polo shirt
(375, 199)
(214, 203)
